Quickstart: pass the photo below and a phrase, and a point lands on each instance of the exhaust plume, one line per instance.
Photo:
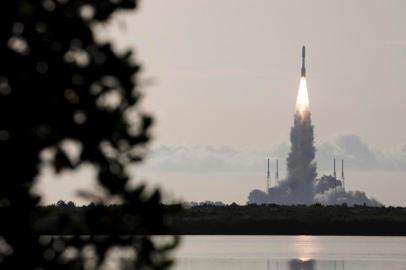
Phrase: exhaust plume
(298, 187)
(300, 162)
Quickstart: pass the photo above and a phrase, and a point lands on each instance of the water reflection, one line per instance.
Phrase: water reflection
(295, 264)
(306, 247)
(291, 253)
(298, 264)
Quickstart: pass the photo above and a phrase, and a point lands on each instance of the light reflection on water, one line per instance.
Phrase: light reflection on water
(305, 247)
(291, 253)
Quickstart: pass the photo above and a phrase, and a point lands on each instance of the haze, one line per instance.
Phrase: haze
(225, 77)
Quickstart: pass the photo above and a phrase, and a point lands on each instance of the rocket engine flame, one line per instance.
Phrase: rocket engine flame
(302, 101)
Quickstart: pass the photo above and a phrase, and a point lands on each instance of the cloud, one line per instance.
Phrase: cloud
(358, 156)
(203, 158)
(356, 153)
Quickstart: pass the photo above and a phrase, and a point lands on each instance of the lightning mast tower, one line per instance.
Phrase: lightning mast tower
(277, 172)
(342, 174)
(268, 180)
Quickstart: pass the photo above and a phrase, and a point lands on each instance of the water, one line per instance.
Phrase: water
(291, 253)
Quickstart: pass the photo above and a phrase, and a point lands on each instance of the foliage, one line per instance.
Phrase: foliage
(58, 85)
(230, 219)
(296, 219)
(118, 219)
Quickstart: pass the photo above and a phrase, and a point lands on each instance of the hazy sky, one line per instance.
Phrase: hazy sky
(226, 75)
(227, 71)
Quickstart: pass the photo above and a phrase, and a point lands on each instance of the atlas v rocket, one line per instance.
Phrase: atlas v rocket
(303, 70)
(268, 176)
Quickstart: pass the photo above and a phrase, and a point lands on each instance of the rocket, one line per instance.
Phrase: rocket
(303, 61)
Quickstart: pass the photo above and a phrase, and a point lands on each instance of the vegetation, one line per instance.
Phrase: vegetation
(64, 218)
(275, 219)
(61, 89)
(225, 220)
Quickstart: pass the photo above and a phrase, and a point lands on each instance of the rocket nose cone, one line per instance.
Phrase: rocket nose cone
(303, 51)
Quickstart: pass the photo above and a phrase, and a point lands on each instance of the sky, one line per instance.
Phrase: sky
(221, 79)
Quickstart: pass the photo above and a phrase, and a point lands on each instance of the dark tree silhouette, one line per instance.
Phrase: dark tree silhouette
(57, 83)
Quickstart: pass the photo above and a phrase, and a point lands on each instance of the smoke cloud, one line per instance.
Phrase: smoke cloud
(298, 187)
(300, 162)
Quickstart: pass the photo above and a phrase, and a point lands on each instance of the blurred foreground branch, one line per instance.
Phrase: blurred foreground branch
(59, 85)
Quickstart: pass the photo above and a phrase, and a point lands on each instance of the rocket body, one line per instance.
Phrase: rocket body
(303, 70)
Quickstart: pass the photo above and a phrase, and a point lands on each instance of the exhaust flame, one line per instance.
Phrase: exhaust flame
(302, 102)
